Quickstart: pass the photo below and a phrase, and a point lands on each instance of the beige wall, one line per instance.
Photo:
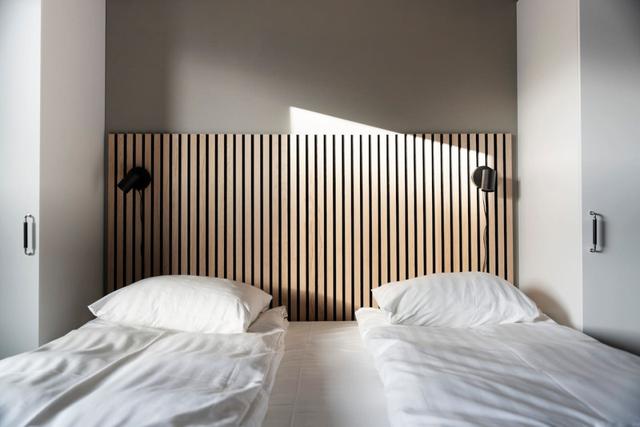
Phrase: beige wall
(238, 65)
(549, 162)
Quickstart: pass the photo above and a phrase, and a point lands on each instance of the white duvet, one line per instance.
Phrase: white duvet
(108, 375)
(535, 374)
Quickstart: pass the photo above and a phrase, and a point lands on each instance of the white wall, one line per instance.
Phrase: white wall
(610, 80)
(19, 145)
(549, 158)
(72, 159)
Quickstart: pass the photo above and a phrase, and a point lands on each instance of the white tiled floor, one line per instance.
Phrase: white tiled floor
(326, 378)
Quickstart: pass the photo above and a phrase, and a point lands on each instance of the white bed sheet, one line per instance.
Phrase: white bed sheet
(537, 374)
(103, 375)
(326, 378)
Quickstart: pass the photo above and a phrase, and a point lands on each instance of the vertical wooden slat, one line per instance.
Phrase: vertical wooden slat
(385, 210)
(401, 174)
(393, 200)
(166, 212)
(238, 214)
(456, 243)
(120, 217)
(256, 266)
(429, 214)
(330, 236)
(303, 222)
(475, 208)
(157, 208)
(321, 203)
(174, 250)
(137, 209)
(312, 254)
(147, 234)
(348, 226)
(356, 230)
(510, 220)
(212, 206)
(110, 238)
(285, 265)
(374, 170)
(465, 183)
(220, 205)
(500, 204)
(420, 204)
(192, 203)
(202, 219)
(483, 230)
(275, 232)
(491, 258)
(366, 209)
(229, 207)
(446, 203)
(266, 215)
(184, 205)
(438, 207)
(129, 252)
(340, 249)
(411, 206)
(294, 226)
(247, 213)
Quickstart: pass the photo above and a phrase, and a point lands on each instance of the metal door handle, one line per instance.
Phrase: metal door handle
(29, 242)
(594, 232)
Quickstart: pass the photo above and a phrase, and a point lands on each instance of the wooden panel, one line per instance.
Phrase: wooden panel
(315, 220)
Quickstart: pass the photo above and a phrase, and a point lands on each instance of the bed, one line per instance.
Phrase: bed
(110, 374)
(536, 373)
(326, 378)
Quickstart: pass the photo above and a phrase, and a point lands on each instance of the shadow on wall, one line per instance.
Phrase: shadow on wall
(549, 306)
(237, 66)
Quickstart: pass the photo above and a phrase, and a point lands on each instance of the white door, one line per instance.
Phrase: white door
(610, 74)
(19, 177)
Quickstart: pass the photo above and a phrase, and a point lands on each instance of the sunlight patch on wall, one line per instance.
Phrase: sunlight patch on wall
(310, 122)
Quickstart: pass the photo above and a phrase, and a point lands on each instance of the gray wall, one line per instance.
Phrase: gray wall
(71, 163)
(610, 98)
(238, 65)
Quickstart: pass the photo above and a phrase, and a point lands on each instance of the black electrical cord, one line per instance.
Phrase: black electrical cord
(141, 210)
(486, 231)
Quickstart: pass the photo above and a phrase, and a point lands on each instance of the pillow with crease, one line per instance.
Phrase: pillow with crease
(184, 303)
(457, 300)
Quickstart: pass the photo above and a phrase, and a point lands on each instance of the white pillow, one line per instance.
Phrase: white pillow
(184, 303)
(457, 300)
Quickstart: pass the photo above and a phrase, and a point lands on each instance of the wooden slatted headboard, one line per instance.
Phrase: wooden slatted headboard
(316, 220)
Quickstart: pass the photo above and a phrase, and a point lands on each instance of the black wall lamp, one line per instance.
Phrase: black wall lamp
(486, 179)
(138, 178)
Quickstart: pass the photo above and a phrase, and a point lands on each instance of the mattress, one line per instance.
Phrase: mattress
(104, 374)
(326, 378)
(529, 374)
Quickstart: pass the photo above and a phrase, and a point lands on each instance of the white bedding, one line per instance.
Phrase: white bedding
(326, 379)
(103, 374)
(537, 374)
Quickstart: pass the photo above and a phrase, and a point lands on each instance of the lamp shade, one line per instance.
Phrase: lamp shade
(138, 178)
(485, 178)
